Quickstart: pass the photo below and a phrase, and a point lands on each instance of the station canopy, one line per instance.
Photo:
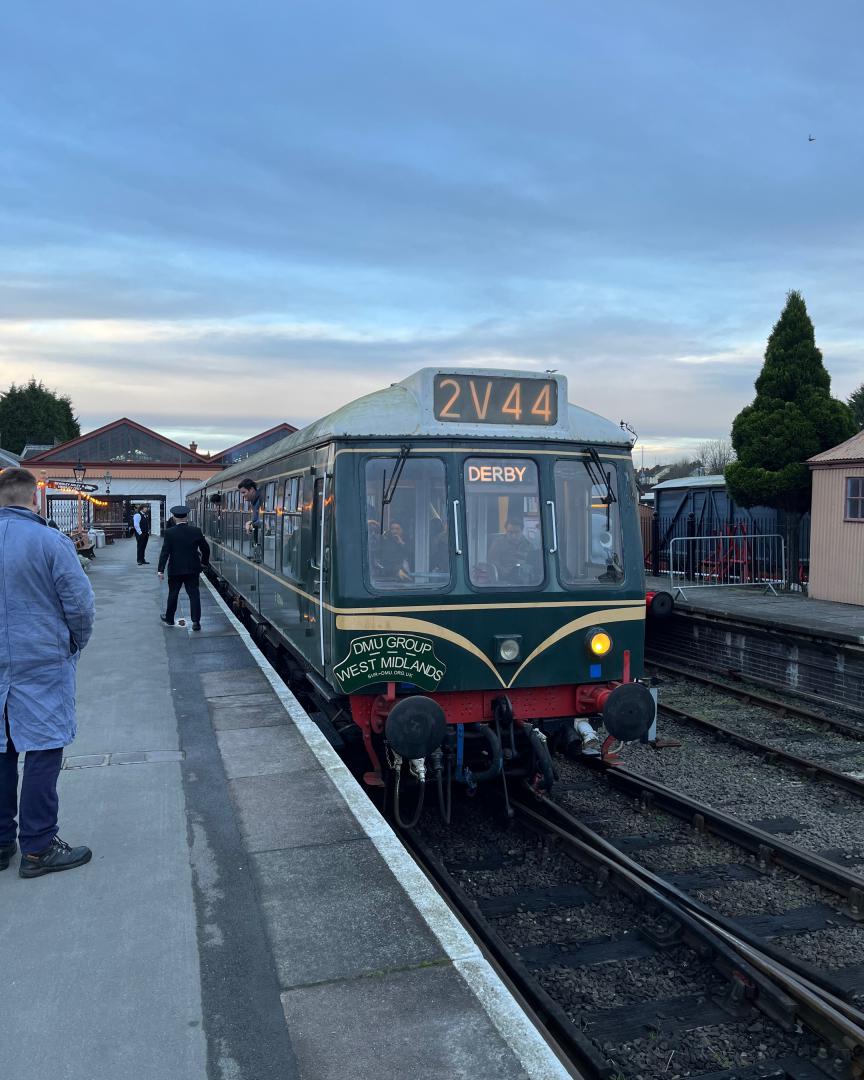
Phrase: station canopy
(122, 442)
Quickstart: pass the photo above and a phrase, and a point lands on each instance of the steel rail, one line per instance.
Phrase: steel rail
(806, 765)
(856, 731)
(820, 1009)
(569, 1044)
(804, 970)
(767, 847)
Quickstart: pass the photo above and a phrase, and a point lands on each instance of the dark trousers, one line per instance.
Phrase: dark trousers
(141, 539)
(37, 825)
(175, 581)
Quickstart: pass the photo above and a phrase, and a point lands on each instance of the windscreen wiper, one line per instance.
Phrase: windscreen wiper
(599, 477)
(388, 489)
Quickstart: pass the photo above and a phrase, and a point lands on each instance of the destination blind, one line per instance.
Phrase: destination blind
(495, 399)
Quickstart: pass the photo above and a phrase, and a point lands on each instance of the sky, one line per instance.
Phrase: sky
(218, 216)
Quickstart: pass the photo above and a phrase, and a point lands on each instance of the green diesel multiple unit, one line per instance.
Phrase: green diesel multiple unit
(455, 562)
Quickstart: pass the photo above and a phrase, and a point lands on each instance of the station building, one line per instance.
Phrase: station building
(103, 474)
(837, 508)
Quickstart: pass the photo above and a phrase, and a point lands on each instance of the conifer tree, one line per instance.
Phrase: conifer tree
(35, 414)
(792, 417)
(856, 404)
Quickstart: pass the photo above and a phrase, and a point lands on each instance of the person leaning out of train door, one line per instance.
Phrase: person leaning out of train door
(141, 525)
(249, 491)
(185, 553)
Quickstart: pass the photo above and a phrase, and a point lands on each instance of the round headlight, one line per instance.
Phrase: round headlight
(599, 643)
(508, 650)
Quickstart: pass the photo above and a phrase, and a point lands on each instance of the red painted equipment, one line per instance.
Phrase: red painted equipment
(659, 604)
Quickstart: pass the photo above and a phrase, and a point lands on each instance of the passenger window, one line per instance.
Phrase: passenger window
(232, 520)
(407, 538)
(590, 549)
(292, 511)
(269, 530)
(502, 513)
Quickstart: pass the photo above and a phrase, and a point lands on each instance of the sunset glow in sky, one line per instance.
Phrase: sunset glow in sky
(216, 217)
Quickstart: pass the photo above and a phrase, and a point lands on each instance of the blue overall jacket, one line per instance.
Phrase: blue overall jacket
(46, 618)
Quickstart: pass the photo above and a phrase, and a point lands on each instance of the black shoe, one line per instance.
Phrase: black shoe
(6, 853)
(56, 857)
(168, 622)
(196, 625)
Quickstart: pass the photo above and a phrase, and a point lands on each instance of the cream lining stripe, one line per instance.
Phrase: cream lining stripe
(532, 605)
(475, 450)
(481, 450)
(420, 626)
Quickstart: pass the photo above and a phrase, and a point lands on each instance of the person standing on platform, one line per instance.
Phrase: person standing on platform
(185, 552)
(46, 618)
(141, 525)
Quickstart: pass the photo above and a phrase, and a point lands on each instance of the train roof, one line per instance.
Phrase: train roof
(404, 410)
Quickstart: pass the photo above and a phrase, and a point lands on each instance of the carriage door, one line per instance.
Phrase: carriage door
(319, 562)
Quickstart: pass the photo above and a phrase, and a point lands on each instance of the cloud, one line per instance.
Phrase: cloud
(223, 219)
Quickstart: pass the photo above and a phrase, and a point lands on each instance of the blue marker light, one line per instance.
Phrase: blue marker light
(594, 671)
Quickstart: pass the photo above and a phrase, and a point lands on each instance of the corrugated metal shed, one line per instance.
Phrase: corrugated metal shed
(851, 450)
(691, 482)
(837, 542)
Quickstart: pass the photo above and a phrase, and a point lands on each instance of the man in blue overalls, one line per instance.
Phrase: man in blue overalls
(46, 618)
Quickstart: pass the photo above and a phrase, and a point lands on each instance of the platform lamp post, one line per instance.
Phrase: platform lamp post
(79, 471)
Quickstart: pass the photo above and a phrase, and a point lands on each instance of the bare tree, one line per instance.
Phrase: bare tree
(715, 455)
(682, 468)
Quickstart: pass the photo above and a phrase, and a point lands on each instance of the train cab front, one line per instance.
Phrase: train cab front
(502, 612)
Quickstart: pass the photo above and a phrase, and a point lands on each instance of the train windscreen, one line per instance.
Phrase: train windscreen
(407, 541)
(589, 527)
(502, 514)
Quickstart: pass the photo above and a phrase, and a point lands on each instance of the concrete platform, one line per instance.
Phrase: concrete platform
(786, 611)
(247, 914)
(813, 648)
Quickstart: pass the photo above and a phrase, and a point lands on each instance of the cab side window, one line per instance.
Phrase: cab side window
(407, 537)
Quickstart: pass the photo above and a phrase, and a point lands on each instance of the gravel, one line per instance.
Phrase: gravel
(805, 738)
(739, 783)
(679, 848)
(586, 992)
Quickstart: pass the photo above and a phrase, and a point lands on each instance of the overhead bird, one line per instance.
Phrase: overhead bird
(811, 138)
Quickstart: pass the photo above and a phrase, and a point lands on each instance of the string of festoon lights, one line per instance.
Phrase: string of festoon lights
(61, 485)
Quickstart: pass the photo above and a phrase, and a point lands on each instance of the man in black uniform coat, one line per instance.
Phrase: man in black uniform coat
(184, 551)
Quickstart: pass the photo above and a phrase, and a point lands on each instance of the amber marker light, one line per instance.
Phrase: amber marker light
(599, 642)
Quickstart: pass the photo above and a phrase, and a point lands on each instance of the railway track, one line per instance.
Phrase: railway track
(800, 783)
(824, 717)
(771, 752)
(699, 962)
(634, 973)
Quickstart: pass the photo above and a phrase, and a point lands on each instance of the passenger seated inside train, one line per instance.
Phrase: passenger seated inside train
(394, 554)
(512, 555)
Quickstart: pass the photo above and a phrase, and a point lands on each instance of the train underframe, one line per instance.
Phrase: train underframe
(473, 737)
